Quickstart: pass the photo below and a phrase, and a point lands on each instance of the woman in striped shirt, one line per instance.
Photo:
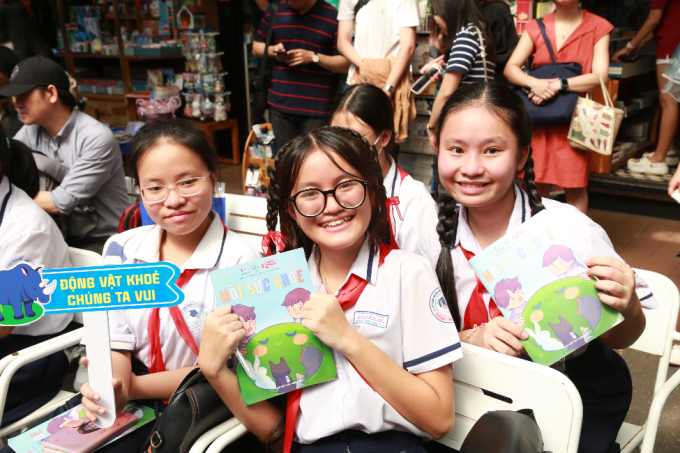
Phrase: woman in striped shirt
(454, 32)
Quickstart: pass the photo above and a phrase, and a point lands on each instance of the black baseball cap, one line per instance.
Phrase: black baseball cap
(34, 72)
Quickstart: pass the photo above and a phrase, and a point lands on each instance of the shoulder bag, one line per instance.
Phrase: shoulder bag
(560, 108)
(594, 126)
(264, 73)
(194, 409)
(482, 50)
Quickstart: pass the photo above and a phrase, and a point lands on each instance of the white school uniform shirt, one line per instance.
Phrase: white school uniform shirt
(400, 312)
(416, 205)
(128, 328)
(587, 238)
(29, 235)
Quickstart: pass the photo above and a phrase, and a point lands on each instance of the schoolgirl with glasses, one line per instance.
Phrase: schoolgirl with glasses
(176, 169)
(394, 367)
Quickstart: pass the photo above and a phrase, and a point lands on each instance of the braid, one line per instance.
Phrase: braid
(446, 229)
(535, 202)
(274, 198)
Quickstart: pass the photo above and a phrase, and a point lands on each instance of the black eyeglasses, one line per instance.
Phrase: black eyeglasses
(348, 194)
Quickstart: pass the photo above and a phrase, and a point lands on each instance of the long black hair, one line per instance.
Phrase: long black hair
(180, 132)
(457, 14)
(371, 106)
(16, 26)
(18, 164)
(509, 108)
(335, 142)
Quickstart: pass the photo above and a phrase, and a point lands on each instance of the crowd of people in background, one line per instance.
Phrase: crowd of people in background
(62, 183)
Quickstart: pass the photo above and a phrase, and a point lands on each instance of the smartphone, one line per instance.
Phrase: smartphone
(423, 82)
(280, 51)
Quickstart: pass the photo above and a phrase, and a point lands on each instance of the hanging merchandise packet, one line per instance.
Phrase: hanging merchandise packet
(539, 283)
(269, 296)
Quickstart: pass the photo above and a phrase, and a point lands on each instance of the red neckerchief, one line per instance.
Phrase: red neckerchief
(349, 294)
(153, 326)
(475, 312)
(393, 205)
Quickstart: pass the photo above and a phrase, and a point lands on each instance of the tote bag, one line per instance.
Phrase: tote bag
(594, 126)
(560, 108)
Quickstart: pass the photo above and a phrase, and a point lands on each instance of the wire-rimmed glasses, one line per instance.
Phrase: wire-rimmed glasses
(348, 194)
(158, 193)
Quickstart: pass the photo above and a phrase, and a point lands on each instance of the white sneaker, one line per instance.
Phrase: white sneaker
(643, 165)
(672, 158)
(675, 355)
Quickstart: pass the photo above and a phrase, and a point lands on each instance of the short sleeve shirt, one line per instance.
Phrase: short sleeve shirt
(29, 235)
(417, 209)
(667, 33)
(588, 239)
(376, 31)
(466, 57)
(304, 89)
(128, 328)
(402, 312)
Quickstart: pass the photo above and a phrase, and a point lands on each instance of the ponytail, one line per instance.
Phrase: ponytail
(535, 202)
(446, 229)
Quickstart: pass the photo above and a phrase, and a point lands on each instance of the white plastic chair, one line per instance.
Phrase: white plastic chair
(657, 339)
(10, 364)
(247, 216)
(521, 385)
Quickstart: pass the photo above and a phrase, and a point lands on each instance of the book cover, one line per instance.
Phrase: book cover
(83, 436)
(540, 284)
(268, 295)
(30, 440)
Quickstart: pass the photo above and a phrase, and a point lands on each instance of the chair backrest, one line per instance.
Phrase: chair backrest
(247, 216)
(83, 258)
(661, 321)
(517, 384)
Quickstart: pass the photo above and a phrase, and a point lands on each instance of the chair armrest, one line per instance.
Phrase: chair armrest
(652, 424)
(203, 442)
(31, 354)
(227, 438)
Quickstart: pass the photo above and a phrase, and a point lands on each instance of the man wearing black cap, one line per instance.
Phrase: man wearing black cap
(93, 194)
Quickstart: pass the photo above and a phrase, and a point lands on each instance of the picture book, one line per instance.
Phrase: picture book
(269, 295)
(81, 436)
(30, 440)
(539, 283)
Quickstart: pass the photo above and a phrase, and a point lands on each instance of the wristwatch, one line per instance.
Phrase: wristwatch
(564, 84)
(389, 88)
(315, 58)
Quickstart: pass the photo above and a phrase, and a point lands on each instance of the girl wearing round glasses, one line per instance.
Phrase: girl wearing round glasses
(367, 110)
(327, 193)
(176, 168)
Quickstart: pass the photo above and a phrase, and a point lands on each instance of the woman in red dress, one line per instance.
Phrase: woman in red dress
(575, 35)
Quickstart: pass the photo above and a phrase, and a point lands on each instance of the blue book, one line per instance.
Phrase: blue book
(541, 284)
(269, 295)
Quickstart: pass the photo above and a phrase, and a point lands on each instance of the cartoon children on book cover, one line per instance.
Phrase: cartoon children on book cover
(540, 284)
(269, 296)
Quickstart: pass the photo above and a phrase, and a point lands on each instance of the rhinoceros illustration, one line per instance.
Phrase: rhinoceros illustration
(21, 286)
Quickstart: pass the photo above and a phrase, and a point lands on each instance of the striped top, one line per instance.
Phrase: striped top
(466, 57)
(303, 89)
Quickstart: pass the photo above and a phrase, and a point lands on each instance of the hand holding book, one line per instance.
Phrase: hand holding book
(90, 398)
(222, 333)
(500, 335)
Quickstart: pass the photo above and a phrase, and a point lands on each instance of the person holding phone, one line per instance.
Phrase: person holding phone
(304, 43)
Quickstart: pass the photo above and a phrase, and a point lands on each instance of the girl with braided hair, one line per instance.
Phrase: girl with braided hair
(483, 142)
(378, 308)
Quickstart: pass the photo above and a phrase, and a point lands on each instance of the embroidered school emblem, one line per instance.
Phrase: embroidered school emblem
(194, 314)
(439, 308)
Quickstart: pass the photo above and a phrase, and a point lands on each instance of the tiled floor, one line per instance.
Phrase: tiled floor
(645, 243)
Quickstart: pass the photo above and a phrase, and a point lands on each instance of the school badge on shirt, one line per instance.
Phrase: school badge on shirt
(438, 306)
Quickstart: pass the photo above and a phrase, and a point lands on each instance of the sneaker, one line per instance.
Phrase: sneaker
(675, 355)
(643, 165)
(672, 158)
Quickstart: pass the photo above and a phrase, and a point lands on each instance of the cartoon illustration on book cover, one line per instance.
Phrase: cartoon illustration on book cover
(540, 284)
(268, 295)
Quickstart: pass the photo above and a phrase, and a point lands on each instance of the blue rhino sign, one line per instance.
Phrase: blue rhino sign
(22, 289)
(28, 293)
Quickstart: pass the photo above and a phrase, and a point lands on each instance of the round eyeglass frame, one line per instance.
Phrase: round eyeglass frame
(140, 190)
(325, 194)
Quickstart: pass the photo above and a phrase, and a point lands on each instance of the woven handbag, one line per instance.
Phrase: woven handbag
(594, 126)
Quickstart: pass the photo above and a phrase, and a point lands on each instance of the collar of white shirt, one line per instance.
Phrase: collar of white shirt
(390, 181)
(364, 266)
(520, 213)
(206, 255)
